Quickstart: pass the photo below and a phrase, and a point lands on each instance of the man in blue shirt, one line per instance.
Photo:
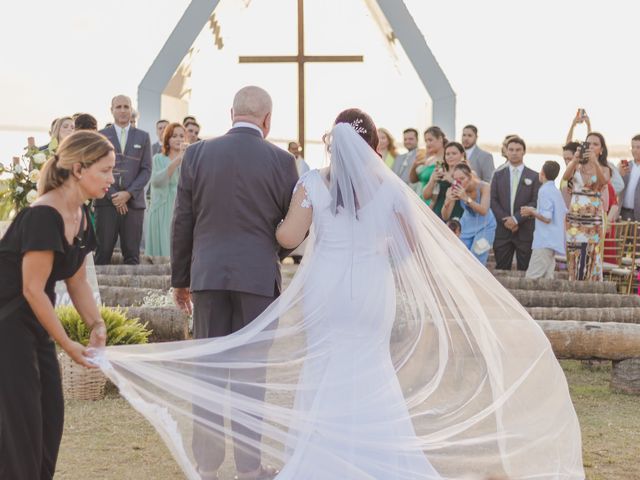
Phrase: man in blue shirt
(548, 236)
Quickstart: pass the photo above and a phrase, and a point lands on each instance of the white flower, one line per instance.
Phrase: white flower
(31, 196)
(34, 176)
(19, 189)
(17, 168)
(527, 182)
(39, 158)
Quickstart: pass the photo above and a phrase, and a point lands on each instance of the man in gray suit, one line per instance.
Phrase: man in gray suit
(480, 161)
(233, 192)
(121, 212)
(403, 163)
(630, 172)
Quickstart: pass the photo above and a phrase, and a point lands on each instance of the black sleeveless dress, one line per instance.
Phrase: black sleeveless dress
(31, 403)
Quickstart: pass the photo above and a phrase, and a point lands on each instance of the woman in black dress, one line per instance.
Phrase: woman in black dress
(46, 242)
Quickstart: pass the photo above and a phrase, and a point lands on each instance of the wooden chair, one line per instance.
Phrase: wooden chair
(616, 248)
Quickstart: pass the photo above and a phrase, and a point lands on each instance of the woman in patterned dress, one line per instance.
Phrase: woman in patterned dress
(585, 220)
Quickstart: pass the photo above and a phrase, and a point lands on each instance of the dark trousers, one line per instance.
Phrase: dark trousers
(218, 313)
(505, 247)
(627, 214)
(31, 403)
(110, 225)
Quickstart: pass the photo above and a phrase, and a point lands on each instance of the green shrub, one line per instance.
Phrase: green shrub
(120, 329)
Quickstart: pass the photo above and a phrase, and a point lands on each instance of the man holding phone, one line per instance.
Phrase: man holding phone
(630, 171)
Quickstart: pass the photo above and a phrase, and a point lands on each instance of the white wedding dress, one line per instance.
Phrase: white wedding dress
(392, 355)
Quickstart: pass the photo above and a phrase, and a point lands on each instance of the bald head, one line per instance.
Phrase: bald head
(121, 110)
(253, 104)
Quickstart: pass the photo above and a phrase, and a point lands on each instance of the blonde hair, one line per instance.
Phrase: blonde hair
(84, 147)
(57, 125)
(391, 148)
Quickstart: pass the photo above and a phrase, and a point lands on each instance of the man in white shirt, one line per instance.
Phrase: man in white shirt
(481, 162)
(631, 175)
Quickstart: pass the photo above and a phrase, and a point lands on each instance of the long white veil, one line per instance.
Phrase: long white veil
(476, 377)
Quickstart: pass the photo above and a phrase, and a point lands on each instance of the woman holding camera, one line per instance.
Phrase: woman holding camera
(438, 185)
(426, 163)
(46, 242)
(478, 222)
(584, 224)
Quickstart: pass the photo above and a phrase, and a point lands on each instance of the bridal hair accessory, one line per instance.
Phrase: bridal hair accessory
(356, 125)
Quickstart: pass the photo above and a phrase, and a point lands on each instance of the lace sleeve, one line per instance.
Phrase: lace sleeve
(292, 230)
(300, 195)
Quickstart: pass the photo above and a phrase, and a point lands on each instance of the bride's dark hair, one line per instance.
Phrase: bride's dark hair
(362, 123)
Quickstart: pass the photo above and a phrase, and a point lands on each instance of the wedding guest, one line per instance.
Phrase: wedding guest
(84, 121)
(47, 242)
(610, 249)
(582, 117)
(568, 152)
(165, 173)
(424, 165)
(134, 118)
(402, 164)
(160, 126)
(481, 162)
(454, 226)
(584, 225)
(478, 224)
(548, 235)
(513, 187)
(631, 175)
(503, 151)
(120, 214)
(386, 147)
(296, 151)
(62, 127)
(193, 131)
(442, 179)
(189, 118)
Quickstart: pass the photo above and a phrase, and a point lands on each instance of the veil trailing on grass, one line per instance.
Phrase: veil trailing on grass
(393, 354)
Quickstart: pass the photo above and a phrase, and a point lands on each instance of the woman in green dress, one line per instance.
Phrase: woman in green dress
(165, 172)
(442, 179)
(426, 162)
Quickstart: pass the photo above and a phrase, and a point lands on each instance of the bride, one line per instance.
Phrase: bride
(392, 355)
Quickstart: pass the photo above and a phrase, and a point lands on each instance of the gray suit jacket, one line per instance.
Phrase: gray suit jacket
(233, 192)
(636, 198)
(133, 168)
(402, 165)
(482, 163)
(526, 195)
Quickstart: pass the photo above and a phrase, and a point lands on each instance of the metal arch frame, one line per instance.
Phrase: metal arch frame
(395, 12)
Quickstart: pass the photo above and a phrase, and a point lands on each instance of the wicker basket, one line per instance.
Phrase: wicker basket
(80, 383)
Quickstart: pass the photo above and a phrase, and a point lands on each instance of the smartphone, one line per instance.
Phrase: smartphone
(624, 162)
(583, 113)
(583, 150)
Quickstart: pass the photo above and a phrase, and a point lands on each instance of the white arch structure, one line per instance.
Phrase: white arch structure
(392, 16)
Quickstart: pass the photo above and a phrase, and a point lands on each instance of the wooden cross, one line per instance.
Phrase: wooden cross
(301, 59)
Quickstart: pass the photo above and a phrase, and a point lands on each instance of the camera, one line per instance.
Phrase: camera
(583, 150)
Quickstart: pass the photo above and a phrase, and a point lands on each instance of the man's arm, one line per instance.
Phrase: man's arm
(497, 209)
(182, 226)
(487, 168)
(136, 188)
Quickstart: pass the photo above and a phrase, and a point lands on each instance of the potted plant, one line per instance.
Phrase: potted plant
(78, 382)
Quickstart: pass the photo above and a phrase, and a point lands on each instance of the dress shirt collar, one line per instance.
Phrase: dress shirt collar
(247, 125)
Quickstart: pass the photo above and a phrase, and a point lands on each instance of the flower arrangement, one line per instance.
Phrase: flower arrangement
(20, 188)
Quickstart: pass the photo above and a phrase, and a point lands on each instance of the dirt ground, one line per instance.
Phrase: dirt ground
(109, 440)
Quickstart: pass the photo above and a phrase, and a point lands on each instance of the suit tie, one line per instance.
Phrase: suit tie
(123, 139)
(515, 178)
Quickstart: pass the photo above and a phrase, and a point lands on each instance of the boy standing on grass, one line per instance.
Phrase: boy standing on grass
(548, 236)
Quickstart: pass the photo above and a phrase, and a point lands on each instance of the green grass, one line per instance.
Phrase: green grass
(109, 440)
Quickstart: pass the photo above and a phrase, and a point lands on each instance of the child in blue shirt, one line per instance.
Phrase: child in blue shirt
(548, 236)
